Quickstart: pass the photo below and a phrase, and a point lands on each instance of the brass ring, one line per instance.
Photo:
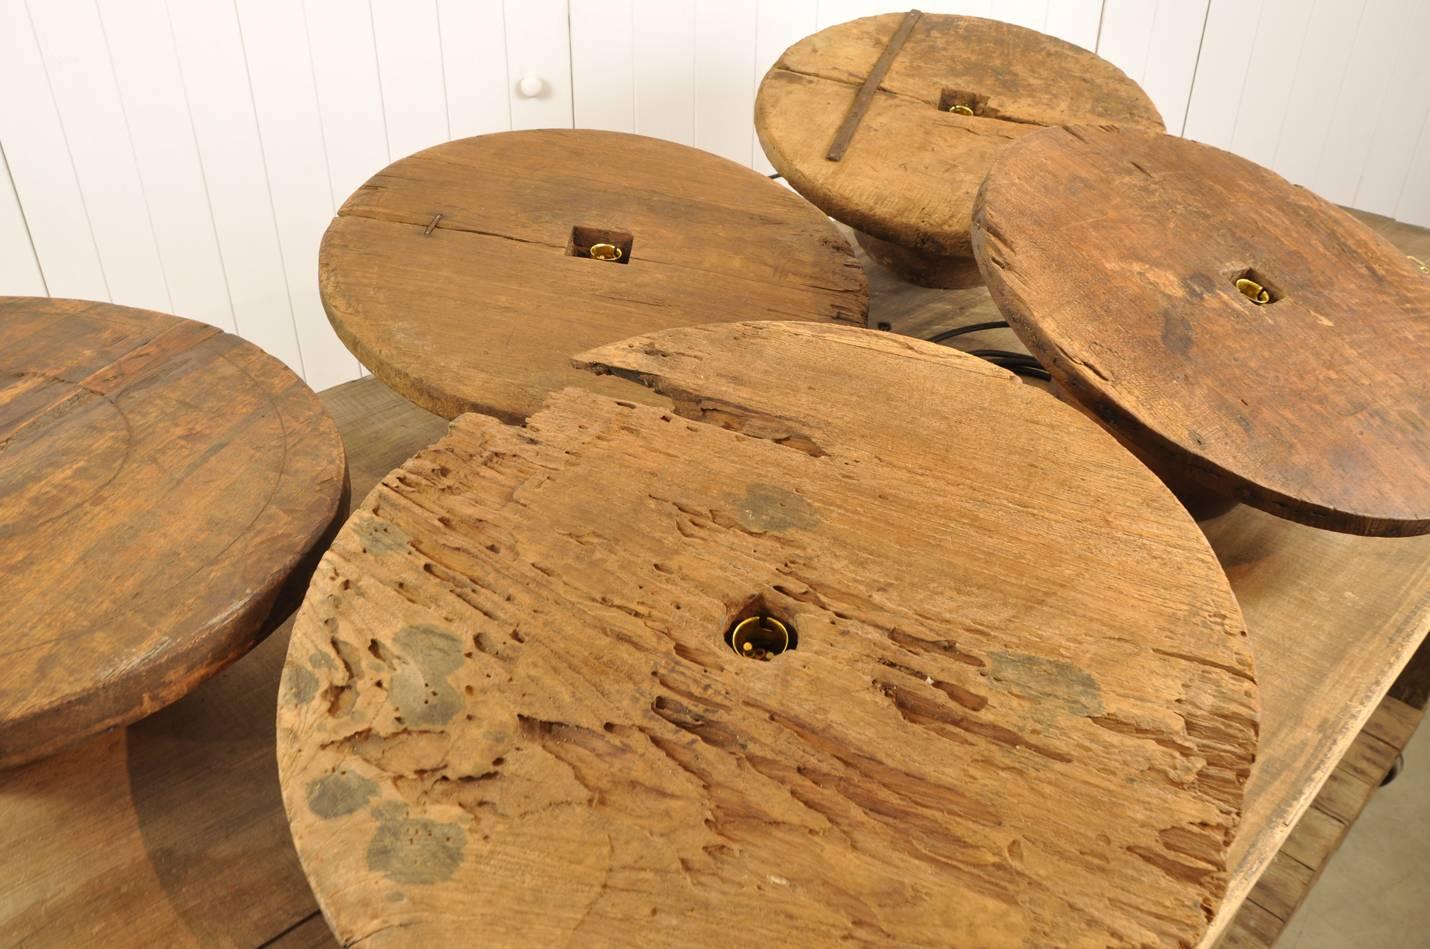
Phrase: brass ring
(759, 637)
(605, 252)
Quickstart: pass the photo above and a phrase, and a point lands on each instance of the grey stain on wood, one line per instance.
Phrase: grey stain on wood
(299, 685)
(1048, 680)
(426, 656)
(767, 507)
(416, 850)
(339, 793)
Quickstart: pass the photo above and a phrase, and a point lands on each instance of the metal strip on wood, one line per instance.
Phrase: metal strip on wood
(866, 92)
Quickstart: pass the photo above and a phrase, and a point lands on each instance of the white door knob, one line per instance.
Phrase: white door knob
(531, 86)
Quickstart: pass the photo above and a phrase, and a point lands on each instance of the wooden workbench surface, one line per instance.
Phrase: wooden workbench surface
(174, 830)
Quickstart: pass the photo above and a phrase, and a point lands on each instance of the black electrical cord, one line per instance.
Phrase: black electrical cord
(970, 328)
(1020, 364)
(774, 177)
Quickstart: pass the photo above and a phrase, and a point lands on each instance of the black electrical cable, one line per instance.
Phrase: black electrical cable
(774, 177)
(970, 328)
(1003, 354)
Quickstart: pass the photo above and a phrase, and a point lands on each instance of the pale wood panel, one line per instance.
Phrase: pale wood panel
(146, 68)
(409, 64)
(40, 167)
(474, 58)
(538, 43)
(19, 270)
(724, 94)
(286, 104)
(603, 65)
(664, 48)
(76, 56)
(349, 94)
(215, 73)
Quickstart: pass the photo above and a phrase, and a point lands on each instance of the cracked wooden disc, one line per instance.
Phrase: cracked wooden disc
(913, 168)
(1019, 709)
(484, 310)
(1311, 406)
(162, 484)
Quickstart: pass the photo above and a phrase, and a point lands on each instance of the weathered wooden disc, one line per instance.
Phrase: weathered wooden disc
(1115, 256)
(1019, 708)
(160, 482)
(485, 312)
(913, 168)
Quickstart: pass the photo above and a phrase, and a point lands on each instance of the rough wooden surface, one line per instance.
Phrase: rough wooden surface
(508, 707)
(160, 483)
(1313, 406)
(912, 170)
(1289, 877)
(486, 311)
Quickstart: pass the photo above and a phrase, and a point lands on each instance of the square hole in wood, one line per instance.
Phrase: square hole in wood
(600, 243)
(1253, 285)
(961, 102)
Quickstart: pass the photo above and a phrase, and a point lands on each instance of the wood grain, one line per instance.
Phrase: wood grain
(485, 313)
(912, 171)
(1313, 407)
(508, 708)
(163, 486)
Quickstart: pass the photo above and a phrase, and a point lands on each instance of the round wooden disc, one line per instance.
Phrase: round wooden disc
(1115, 256)
(1019, 708)
(160, 482)
(485, 312)
(913, 168)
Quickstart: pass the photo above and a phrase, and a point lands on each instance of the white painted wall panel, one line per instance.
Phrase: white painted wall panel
(1076, 21)
(1172, 54)
(1401, 108)
(779, 24)
(409, 68)
(286, 104)
(1228, 43)
(40, 166)
(724, 94)
(211, 58)
(77, 62)
(1032, 14)
(1266, 93)
(1355, 104)
(1125, 39)
(146, 69)
(19, 270)
(474, 59)
(538, 44)
(344, 61)
(664, 48)
(1325, 52)
(603, 65)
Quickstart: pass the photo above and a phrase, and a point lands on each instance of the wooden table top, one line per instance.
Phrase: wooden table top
(1313, 406)
(913, 168)
(484, 310)
(509, 706)
(100, 843)
(160, 483)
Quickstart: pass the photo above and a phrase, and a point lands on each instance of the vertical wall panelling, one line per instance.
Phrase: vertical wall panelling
(19, 270)
(409, 67)
(1401, 109)
(1228, 43)
(344, 62)
(1125, 39)
(1276, 56)
(474, 58)
(1330, 33)
(146, 70)
(215, 74)
(724, 77)
(1076, 21)
(603, 65)
(275, 42)
(538, 45)
(39, 160)
(76, 59)
(1032, 14)
(665, 69)
(1172, 58)
(830, 12)
(1356, 102)
(1414, 204)
(779, 24)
